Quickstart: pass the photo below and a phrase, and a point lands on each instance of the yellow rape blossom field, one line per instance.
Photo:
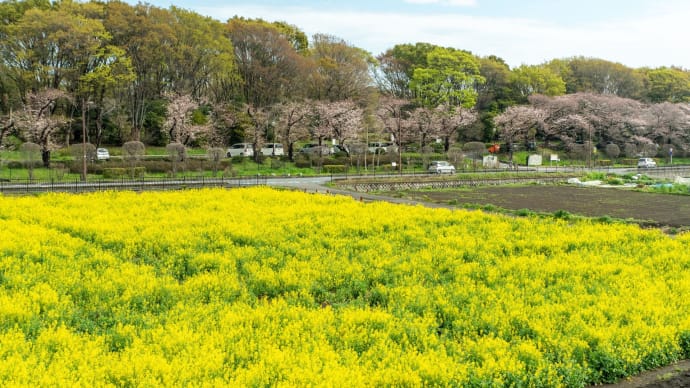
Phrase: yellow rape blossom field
(263, 287)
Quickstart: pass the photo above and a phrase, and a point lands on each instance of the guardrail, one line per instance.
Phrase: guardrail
(27, 186)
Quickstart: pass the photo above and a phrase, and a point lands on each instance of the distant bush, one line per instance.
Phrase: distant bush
(117, 172)
(604, 162)
(120, 172)
(612, 180)
(334, 168)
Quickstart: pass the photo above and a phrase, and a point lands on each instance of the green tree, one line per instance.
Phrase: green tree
(342, 70)
(396, 67)
(667, 84)
(147, 34)
(595, 75)
(527, 80)
(450, 77)
(203, 56)
(494, 95)
(14, 83)
(270, 68)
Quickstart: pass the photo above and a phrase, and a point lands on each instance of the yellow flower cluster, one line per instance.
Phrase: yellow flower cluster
(256, 287)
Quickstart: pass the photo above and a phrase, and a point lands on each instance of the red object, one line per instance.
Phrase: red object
(494, 149)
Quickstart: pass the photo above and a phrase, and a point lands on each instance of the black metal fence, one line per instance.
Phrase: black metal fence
(26, 186)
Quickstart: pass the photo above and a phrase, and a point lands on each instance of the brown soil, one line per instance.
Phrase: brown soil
(648, 208)
(672, 376)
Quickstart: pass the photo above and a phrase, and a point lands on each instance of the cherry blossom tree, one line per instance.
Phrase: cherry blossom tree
(555, 110)
(610, 118)
(450, 119)
(341, 120)
(515, 123)
(668, 125)
(40, 119)
(6, 126)
(394, 117)
(180, 126)
(291, 123)
(423, 126)
(260, 118)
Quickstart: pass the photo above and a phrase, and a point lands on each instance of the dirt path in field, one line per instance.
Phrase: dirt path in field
(672, 376)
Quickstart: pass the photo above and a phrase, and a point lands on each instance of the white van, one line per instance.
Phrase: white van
(240, 149)
(272, 149)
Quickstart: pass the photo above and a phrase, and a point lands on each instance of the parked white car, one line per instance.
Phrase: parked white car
(378, 147)
(646, 163)
(240, 149)
(272, 149)
(315, 149)
(441, 167)
(102, 154)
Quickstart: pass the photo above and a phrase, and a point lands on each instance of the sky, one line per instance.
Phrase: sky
(635, 33)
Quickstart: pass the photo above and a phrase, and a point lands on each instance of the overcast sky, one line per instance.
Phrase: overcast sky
(636, 33)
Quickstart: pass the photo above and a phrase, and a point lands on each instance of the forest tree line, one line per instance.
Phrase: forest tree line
(111, 72)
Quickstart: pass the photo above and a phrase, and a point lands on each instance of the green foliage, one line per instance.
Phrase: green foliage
(562, 214)
(334, 168)
(120, 172)
(449, 78)
(595, 176)
(199, 116)
(670, 188)
(527, 80)
(153, 123)
(668, 84)
(604, 162)
(613, 180)
(524, 212)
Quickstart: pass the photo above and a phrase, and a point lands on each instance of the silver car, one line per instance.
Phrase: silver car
(315, 149)
(441, 167)
(646, 163)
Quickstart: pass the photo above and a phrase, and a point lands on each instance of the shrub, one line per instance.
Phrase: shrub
(302, 161)
(524, 212)
(612, 151)
(334, 168)
(562, 214)
(121, 172)
(612, 180)
(114, 172)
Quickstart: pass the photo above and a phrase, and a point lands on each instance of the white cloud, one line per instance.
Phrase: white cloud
(650, 40)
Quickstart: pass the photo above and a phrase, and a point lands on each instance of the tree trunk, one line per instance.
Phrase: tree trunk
(45, 156)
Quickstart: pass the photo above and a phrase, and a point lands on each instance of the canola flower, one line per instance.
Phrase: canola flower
(257, 287)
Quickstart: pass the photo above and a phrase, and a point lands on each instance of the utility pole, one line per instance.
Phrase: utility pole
(83, 138)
